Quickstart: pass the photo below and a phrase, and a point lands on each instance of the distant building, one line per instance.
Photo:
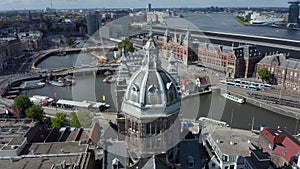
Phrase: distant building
(31, 40)
(284, 71)
(157, 17)
(93, 22)
(148, 7)
(235, 62)
(281, 145)
(9, 48)
(293, 19)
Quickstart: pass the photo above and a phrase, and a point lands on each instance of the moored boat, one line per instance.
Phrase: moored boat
(32, 84)
(233, 98)
(56, 83)
(109, 79)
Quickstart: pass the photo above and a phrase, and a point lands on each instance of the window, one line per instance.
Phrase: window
(190, 161)
(115, 163)
(231, 166)
(213, 165)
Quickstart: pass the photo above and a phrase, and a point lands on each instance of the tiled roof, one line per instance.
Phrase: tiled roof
(95, 133)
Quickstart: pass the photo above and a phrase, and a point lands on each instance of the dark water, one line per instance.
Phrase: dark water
(89, 87)
(213, 105)
(68, 60)
(236, 115)
(226, 23)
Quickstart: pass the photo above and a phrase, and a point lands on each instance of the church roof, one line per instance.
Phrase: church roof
(151, 90)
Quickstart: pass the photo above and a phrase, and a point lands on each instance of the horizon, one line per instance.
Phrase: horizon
(9, 5)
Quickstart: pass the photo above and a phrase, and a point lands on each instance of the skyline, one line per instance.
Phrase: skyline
(68, 4)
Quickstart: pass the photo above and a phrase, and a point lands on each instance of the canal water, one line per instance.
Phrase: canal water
(92, 88)
(68, 60)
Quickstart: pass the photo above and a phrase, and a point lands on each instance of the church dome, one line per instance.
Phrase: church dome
(151, 89)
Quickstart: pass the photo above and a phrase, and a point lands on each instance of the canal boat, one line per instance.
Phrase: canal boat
(109, 79)
(233, 98)
(41, 100)
(32, 84)
(59, 83)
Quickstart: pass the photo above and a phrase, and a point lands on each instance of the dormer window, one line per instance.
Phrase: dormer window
(190, 161)
(152, 89)
(135, 87)
(115, 163)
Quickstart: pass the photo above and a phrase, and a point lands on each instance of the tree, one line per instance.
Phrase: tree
(74, 122)
(264, 74)
(59, 120)
(127, 45)
(21, 103)
(36, 112)
(85, 117)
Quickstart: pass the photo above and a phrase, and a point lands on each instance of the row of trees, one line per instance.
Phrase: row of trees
(24, 108)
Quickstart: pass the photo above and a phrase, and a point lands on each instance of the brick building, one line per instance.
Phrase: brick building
(181, 47)
(235, 62)
(280, 144)
(284, 71)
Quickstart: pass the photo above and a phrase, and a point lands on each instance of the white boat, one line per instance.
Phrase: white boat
(32, 84)
(267, 21)
(56, 83)
(99, 105)
(109, 79)
(39, 100)
(43, 98)
(233, 98)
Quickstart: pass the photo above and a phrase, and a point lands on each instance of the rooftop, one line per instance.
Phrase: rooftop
(55, 148)
(233, 141)
(38, 162)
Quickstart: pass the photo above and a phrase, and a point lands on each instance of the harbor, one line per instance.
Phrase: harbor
(206, 104)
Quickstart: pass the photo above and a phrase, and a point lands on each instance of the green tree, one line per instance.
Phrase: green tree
(21, 103)
(36, 112)
(69, 40)
(59, 120)
(127, 45)
(85, 117)
(264, 74)
(74, 122)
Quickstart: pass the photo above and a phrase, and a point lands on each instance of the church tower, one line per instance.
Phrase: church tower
(151, 108)
(172, 67)
(187, 44)
(121, 81)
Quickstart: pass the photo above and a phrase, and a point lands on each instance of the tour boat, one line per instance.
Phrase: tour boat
(109, 79)
(32, 84)
(233, 98)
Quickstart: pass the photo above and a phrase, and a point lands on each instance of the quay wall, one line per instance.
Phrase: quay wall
(266, 105)
(49, 53)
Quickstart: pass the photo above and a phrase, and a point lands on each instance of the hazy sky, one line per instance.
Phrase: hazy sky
(41, 4)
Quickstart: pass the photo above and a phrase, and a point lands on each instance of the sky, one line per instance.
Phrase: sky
(67, 4)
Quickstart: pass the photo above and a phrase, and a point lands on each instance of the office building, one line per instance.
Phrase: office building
(293, 19)
(93, 22)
